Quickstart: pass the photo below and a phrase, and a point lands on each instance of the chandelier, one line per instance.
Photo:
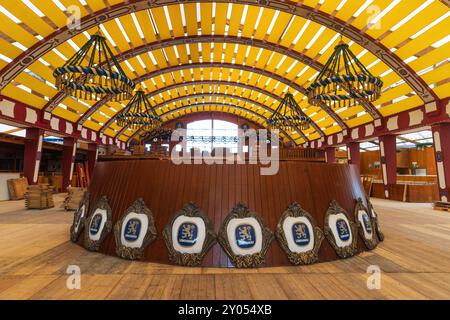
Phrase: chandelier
(337, 89)
(289, 116)
(139, 113)
(93, 73)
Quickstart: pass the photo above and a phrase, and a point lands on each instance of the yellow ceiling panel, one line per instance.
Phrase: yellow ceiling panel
(442, 90)
(431, 58)
(92, 125)
(161, 22)
(250, 21)
(65, 114)
(432, 12)
(131, 30)
(51, 11)
(264, 23)
(23, 96)
(206, 18)
(146, 26)
(438, 74)
(396, 14)
(235, 19)
(403, 105)
(370, 13)
(31, 19)
(16, 32)
(176, 20)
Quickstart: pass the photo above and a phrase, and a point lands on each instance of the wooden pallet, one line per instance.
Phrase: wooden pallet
(442, 206)
(39, 197)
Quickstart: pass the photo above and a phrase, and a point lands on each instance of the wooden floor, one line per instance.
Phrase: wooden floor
(35, 253)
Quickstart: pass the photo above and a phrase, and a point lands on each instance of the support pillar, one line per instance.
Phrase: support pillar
(330, 155)
(354, 155)
(32, 154)
(388, 155)
(68, 161)
(441, 142)
(92, 156)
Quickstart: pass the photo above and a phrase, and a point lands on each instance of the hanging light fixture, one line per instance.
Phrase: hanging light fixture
(139, 113)
(93, 73)
(337, 89)
(289, 116)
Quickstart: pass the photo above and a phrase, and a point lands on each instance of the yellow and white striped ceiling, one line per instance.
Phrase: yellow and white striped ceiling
(246, 74)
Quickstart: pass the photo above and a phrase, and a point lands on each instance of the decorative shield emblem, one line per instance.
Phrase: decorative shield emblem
(299, 236)
(98, 225)
(366, 225)
(189, 236)
(375, 222)
(134, 231)
(245, 238)
(340, 231)
(79, 218)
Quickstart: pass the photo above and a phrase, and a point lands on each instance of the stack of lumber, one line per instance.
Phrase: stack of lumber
(138, 150)
(39, 197)
(17, 188)
(73, 198)
(442, 206)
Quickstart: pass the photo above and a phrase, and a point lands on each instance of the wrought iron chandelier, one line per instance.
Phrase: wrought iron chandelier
(139, 113)
(93, 73)
(289, 116)
(338, 89)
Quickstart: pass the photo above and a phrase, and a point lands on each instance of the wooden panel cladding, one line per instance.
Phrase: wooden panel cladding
(216, 189)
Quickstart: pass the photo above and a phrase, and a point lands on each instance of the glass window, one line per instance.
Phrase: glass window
(208, 134)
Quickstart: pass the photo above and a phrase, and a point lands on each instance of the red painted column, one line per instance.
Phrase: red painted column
(32, 154)
(388, 155)
(330, 155)
(441, 139)
(68, 161)
(92, 157)
(354, 155)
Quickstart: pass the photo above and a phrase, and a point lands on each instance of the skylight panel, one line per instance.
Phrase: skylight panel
(412, 15)
(141, 62)
(106, 33)
(183, 16)
(166, 13)
(138, 26)
(305, 26)
(340, 5)
(33, 8)
(59, 5)
(272, 23)
(5, 58)
(329, 43)
(244, 14)
(362, 8)
(119, 24)
(316, 36)
(10, 15)
(441, 42)
(384, 12)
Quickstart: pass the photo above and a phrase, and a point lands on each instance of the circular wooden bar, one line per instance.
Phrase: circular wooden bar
(216, 189)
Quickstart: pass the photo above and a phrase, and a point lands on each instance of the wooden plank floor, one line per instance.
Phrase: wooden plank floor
(35, 253)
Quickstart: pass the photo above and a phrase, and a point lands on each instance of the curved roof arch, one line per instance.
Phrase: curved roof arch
(89, 21)
(185, 100)
(200, 107)
(416, 53)
(222, 66)
(296, 56)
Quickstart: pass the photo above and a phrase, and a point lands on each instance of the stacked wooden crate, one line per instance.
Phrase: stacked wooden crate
(39, 197)
(73, 198)
(17, 188)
